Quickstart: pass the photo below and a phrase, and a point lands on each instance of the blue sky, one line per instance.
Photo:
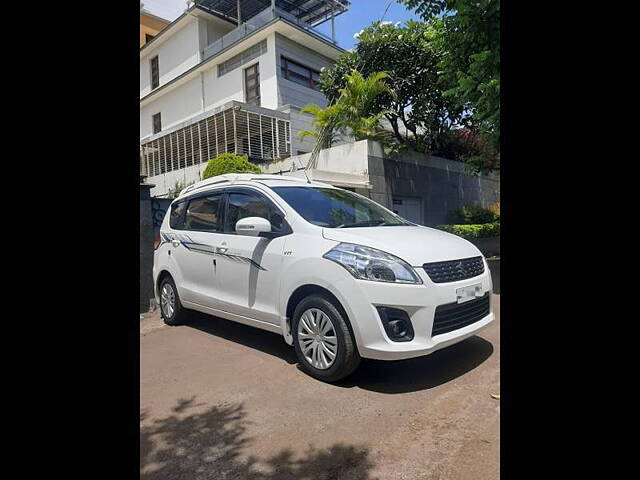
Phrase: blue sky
(359, 16)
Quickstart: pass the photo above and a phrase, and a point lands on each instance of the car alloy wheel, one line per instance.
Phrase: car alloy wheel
(168, 300)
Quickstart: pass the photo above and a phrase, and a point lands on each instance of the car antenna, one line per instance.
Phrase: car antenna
(294, 168)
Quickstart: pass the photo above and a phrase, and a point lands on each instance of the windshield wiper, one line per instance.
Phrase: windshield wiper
(365, 223)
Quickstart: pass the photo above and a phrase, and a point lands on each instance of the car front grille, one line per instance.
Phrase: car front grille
(454, 270)
(453, 316)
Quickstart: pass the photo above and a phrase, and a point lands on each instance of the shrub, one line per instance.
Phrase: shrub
(177, 188)
(229, 163)
(473, 215)
(483, 230)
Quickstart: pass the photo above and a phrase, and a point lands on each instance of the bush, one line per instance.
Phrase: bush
(229, 163)
(473, 215)
(483, 230)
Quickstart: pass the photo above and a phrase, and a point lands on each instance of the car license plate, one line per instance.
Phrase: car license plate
(464, 294)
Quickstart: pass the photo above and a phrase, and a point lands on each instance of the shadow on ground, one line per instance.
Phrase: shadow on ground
(210, 444)
(420, 373)
(385, 377)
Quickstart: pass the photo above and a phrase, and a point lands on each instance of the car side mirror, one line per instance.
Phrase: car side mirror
(253, 226)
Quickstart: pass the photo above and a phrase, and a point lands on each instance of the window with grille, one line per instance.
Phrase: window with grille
(157, 123)
(300, 74)
(252, 85)
(155, 73)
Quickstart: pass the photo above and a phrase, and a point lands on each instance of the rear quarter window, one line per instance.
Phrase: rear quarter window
(176, 216)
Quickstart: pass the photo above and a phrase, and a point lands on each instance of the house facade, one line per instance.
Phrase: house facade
(231, 76)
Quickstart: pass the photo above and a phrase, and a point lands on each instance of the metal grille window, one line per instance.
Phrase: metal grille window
(157, 123)
(252, 84)
(155, 73)
(300, 74)
(242, 58)
(260, 137)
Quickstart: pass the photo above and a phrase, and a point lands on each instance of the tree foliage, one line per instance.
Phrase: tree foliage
(353, 111)
(415, 105)
(229, 163)
(470, 35)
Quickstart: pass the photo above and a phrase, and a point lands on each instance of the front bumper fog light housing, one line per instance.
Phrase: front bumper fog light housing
(396, 323)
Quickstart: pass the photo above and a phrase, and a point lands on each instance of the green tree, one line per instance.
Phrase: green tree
(418, 111)
(229, 163)
(470, 34)
(353, 112)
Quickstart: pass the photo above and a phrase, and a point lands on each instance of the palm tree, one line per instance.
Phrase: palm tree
(352, 113)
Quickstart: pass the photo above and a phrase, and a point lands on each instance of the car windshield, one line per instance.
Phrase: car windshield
(335, 208)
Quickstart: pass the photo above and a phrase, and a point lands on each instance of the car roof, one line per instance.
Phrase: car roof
(249, 178)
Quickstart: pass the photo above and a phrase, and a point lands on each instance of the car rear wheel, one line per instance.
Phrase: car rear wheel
(322, 340)
(171, 309)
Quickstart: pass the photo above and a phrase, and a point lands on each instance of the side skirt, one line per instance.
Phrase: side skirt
(252, 322)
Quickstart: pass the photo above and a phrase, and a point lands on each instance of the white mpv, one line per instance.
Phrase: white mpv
(337, 275)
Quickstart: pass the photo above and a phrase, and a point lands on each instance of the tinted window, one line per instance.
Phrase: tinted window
(157, 122)
(175, 220)
(202, 214)
(248, 204)
(335, 208)
(155, 73)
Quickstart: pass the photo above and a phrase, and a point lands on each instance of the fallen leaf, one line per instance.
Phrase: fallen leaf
(496, 396)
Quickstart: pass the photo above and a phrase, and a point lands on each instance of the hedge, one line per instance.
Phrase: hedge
(229, 163)
(482, 230)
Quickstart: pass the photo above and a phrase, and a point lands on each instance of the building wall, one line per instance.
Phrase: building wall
(150, 26)
(175, 55)
(291, 93)
(440, 185)
(187, 100)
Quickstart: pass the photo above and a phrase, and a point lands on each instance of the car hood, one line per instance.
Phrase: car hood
(414, 244)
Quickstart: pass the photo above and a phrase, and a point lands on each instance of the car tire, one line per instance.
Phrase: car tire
(176, 315)
(319, 347)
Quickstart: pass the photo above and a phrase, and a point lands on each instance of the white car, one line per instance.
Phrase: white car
(337, 275)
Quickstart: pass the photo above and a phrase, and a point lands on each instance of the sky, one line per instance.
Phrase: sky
(359, 16)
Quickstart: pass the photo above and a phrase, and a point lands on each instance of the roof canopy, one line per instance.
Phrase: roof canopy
(312, 12)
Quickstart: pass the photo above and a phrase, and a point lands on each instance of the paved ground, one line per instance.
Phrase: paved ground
(219, 400)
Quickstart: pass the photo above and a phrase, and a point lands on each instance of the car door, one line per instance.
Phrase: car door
(193, 248)
(248, 268)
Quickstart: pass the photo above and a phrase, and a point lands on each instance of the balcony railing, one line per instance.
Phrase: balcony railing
(255, 23)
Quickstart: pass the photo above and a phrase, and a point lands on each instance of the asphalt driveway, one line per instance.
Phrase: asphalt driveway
(220, 400)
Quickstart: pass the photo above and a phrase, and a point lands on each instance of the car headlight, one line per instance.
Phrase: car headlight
(371, 264)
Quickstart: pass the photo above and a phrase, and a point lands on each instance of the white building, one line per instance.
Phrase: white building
(231, 76)
(209, 86)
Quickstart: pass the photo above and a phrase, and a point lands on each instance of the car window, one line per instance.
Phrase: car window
(202, 214)
(175, 219)
(337, 208)
(249, 204)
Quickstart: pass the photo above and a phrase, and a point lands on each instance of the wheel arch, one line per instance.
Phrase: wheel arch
(304, 291)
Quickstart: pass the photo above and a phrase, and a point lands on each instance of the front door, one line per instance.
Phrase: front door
(248, 268)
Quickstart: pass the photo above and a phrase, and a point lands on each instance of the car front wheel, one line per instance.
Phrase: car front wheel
(322, 340)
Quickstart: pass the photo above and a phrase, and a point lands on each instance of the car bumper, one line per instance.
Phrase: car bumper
(361, 298)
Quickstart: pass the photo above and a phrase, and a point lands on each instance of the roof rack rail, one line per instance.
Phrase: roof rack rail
(232, 178)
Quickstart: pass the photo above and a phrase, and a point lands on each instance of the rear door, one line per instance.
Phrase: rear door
(193, 248)
(249, 268)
